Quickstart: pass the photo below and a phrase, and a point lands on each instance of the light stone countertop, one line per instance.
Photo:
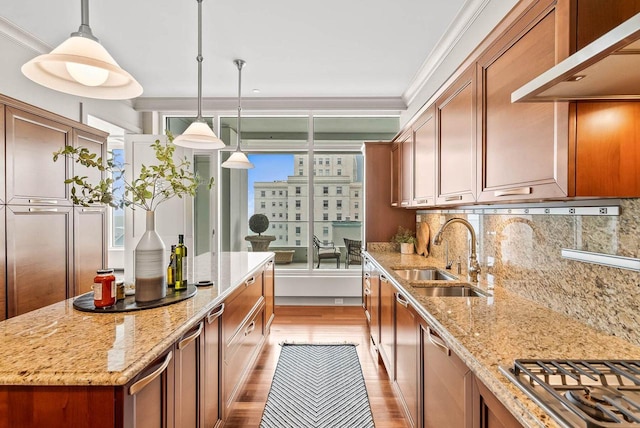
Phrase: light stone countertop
(58, 345)
(489, 332)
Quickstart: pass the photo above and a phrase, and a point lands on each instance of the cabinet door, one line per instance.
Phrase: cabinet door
(32, 175)
(2, 154)
(374, 306)
(456, 113)
(385, 347)
(406, 170)
(3, 266)
(490, 412)
(210, 402)
(447, 389)
(407, 352)
(38, 256)
(189, 376)
(424, 159)
(524, 146)
(269, 294)
(149, 397)
(89, 246)
(396, 154)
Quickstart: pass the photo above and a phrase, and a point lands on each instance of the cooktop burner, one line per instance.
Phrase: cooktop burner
(577, 393)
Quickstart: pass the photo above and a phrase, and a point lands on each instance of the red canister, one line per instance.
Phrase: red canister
(104, 288)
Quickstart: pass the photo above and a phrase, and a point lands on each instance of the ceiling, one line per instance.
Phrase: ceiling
(329, 48)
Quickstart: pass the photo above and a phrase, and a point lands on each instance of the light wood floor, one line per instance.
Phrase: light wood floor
(316, 324)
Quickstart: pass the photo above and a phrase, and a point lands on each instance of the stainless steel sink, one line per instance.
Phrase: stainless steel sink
(450, 291)
(424, 274)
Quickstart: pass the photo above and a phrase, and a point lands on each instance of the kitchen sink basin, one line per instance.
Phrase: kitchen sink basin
(424, 274)
(449, 291)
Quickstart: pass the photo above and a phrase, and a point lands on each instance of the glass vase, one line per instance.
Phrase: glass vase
(149, 265)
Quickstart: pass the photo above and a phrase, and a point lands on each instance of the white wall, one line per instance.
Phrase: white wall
(17, 49)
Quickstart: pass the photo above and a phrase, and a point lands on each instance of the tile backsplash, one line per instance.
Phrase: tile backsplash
(522, 254)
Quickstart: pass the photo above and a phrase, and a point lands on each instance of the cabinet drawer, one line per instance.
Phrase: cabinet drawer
(240, 304)
(239, 352)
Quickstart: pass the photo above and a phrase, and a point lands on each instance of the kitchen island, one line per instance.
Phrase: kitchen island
(59, 351)
(489, 332)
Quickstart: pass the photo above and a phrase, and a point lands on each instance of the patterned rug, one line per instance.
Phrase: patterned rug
(317, 386)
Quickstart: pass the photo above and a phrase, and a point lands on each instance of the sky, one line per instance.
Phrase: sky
(268, 167)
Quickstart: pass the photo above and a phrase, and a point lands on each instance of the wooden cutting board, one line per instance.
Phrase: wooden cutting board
(422, 235)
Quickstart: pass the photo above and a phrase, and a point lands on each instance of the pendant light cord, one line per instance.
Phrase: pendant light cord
(85, 30)
(239, 63)
(199, 59)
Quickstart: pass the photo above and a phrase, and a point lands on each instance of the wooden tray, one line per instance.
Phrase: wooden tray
(85, 302)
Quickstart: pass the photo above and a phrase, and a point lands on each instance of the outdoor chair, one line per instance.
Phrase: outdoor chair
(354, 252)
(328, 251)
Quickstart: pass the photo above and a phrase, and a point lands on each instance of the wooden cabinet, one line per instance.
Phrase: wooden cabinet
(269, 294)
(407, 372)
(189, 377)
(396, 174)
(38, 256)
(89, 246)
(3, 266)
(424, 159)
(386, 344)
(148, 400)
(523, 146)
(211, 409)
(243, 334)
(406, 170)
(456, 138)
(371, 300)
(447, 384)
(488, 411)
(381, 219)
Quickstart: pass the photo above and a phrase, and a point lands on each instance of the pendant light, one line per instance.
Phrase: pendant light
(199, 135)
(238, 160)
(82, 66)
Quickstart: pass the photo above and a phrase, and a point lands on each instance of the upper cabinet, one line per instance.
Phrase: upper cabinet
(522, 147)
(402, 171)
(456, 142)
(396, 153)
(424, 159)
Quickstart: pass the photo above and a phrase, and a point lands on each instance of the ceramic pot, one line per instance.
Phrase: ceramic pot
(407, 248)
(149, 265)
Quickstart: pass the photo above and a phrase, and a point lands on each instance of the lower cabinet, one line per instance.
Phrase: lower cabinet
(387, 334)
(446, 388)
(489, 412)
(407, 349)
(211, 410)
(189, 376)
(269, 294)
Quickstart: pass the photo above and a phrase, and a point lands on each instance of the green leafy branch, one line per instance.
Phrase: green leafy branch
(155, 184)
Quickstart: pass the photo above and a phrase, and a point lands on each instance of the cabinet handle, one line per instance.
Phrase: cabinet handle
(383, 278)
(367, 274)
(250, 281)
(215, 314)
(187, 340)
(404, 203)
(394, 204)
(43, 201)
(139, 385)
(367, 292)
(250, 328)
(269, 264)
(511, 192)
(438, 342)
(422, 201)
(43, 210)
(92, 210)
(400, 299)
(453, 198)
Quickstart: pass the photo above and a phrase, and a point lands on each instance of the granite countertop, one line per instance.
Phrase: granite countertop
(490, 332)
(58, 345)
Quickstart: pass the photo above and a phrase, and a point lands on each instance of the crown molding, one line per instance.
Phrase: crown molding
(13, 32)
(186, 104)
(467, 15)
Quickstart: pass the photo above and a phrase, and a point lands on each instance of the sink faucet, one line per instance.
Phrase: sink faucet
(474, 266)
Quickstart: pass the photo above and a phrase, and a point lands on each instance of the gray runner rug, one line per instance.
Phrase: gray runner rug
(317, 386)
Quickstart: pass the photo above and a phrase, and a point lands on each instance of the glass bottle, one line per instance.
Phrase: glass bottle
(181, 264)
(171, 269)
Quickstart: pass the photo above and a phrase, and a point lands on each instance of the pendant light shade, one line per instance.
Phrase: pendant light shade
(82, 66)
(199, 135)
(238, 160)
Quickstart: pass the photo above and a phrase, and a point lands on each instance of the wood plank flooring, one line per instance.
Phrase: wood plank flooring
(316, 324)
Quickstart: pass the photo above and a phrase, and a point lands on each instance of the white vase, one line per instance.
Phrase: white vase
(149, 265)
(407, 248)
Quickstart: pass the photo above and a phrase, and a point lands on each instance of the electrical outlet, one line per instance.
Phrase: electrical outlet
(338, 301)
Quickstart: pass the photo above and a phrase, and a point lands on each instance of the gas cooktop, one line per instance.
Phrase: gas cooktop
(582, 393)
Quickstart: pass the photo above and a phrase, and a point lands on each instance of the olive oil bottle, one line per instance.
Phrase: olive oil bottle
(181, 264)
(171, 269)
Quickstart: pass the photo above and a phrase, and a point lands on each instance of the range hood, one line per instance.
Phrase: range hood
(606, 69)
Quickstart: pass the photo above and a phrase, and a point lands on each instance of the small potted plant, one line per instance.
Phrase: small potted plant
(259, 223)
(407, 240)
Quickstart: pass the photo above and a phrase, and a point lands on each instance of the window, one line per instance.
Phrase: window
(325, 204)
(298, 243)
(325, 230)
(355, 194)
(320, 161)
(298, 190)
(280, 216)
(298, 203)
(339, 204)
(273, 215)
(325, 217)
(339, 190)
(273, 204)
(298, 230)
(339, 161)
(300, 162)
(325, 190)
(356, 216)
(280, 204)
(273, 193)
(339, 217)
(339, 172)
(298, 216)
(300, 172)
(356, 204)
(280, 193)
(263, 193)
(263, 205)
(117, 214)
(326, 172)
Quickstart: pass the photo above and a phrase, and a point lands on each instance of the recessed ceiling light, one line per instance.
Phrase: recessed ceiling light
(576, 78)
(256, 91)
